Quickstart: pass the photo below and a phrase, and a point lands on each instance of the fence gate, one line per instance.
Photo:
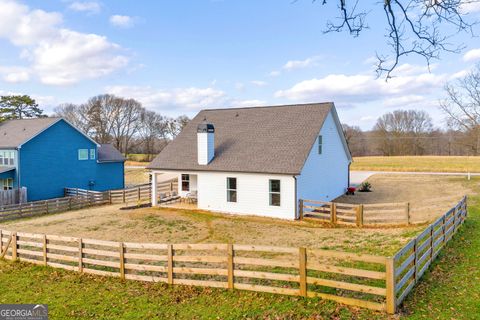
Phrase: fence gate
(3, 251)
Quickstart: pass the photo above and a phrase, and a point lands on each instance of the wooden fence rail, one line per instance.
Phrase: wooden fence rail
(369, 281)
(356, 214)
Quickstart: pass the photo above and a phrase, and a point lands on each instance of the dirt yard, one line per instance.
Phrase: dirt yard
(134, 176)
(188, 226)
(429, 195)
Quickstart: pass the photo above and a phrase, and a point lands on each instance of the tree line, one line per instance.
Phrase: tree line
(411, 132)
(107, 119)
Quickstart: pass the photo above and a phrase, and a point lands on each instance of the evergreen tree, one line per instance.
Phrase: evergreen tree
(19, 107)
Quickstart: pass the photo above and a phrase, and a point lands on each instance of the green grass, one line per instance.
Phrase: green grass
(417, 163)
(451, 290)
(70, 295)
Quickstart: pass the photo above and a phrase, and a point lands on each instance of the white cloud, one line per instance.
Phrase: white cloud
(361, 88)
(472, 55)
(91, 7)
(470, 6)
(274, 73)
(56, 55)
(121, 21)
(300, 64)
(185, 99)
(259, 83)
(14, 74)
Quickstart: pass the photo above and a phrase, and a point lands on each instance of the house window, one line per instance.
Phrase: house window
(7, 158)
(82, 154)
(232, 189)
(275, 193)
(185, 182)
(320, 142)
(92, 154)
(7, 184)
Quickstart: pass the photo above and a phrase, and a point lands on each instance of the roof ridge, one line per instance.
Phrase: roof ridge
(271, 106)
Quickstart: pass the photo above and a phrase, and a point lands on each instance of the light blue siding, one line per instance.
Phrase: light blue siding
(49, 163)
(325, 176)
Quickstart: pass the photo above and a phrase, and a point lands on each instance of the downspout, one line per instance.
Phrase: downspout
(18, 168)
(296, 200)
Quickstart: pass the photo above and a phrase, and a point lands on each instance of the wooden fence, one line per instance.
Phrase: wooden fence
(410, 263)
(13, 196)
(137, 194)
(369, 281)
(356, 214)
(36, 208)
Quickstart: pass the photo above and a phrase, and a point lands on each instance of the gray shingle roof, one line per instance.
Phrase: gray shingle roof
(273, 139)
(108, 153)
(14, 133)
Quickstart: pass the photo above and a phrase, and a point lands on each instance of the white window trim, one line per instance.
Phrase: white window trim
(82, 158)
(270, 192)
(236, 190)
(181, 185)
(92, 154)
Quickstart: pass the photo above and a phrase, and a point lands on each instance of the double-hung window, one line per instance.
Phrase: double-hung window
(7, 184)
(82, 154)
(185, 182)
(232, 189)
(7, 158)
(92, 154)
(274, 191)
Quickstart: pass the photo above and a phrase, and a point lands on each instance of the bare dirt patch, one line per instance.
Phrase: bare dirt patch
(429, 195)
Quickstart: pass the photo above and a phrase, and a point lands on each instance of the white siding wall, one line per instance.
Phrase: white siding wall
(193, 183)
(252, 194)
(325, 176)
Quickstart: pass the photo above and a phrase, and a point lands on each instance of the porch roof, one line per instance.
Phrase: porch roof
(6, 169)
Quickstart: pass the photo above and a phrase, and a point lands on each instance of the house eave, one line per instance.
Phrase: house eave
(223, 171)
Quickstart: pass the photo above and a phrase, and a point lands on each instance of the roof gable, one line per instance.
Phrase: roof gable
(273, 139)
(14, 133)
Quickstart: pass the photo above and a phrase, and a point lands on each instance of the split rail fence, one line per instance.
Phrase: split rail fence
(356, 214)
(369, 281)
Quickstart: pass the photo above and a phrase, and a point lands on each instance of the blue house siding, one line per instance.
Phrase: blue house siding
(49, 163)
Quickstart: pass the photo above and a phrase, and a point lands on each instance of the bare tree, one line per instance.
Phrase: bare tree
(175, 126)
(76, 115)
(355, 139)
(153, 127)
(425, 28)
(402, 131)
(462, 108)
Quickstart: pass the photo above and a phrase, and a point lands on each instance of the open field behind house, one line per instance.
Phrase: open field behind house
(136, 176)
(462, 164)
(165, 225)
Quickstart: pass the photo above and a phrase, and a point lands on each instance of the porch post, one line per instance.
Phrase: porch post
(154, 189)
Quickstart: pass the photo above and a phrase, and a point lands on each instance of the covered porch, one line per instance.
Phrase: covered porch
(174, 189)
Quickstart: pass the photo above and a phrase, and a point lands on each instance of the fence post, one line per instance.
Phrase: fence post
(407, 212)
(70, 203)
(230, 266)
(170, 263)
(123, 195)
(300, 209)
(138, 194)
(390, 284)
(46, 205)
(431, 243)
(122, 261)
(110, 196)
(80, 255)
(333, 212)
(415, 261)
(14, 246)
(45, 249)
(302, 270)
(360, 215)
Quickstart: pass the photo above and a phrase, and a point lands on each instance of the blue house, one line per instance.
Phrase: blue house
(46, 155)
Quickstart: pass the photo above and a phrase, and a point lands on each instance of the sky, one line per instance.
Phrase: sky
(178, 57)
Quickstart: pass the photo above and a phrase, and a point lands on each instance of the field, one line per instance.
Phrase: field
(418, 164)
(134, 176)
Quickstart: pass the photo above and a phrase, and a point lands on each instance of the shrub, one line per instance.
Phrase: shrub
(365, 187)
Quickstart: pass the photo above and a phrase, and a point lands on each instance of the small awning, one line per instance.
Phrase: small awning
(6, 169)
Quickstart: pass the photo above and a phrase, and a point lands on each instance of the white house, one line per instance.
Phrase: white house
(258, 161)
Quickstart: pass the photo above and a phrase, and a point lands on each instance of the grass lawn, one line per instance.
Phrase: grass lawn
(417, 163)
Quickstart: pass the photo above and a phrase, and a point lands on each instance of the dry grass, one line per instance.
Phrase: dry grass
(418, 164)
(429, 195)
(136, 176)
